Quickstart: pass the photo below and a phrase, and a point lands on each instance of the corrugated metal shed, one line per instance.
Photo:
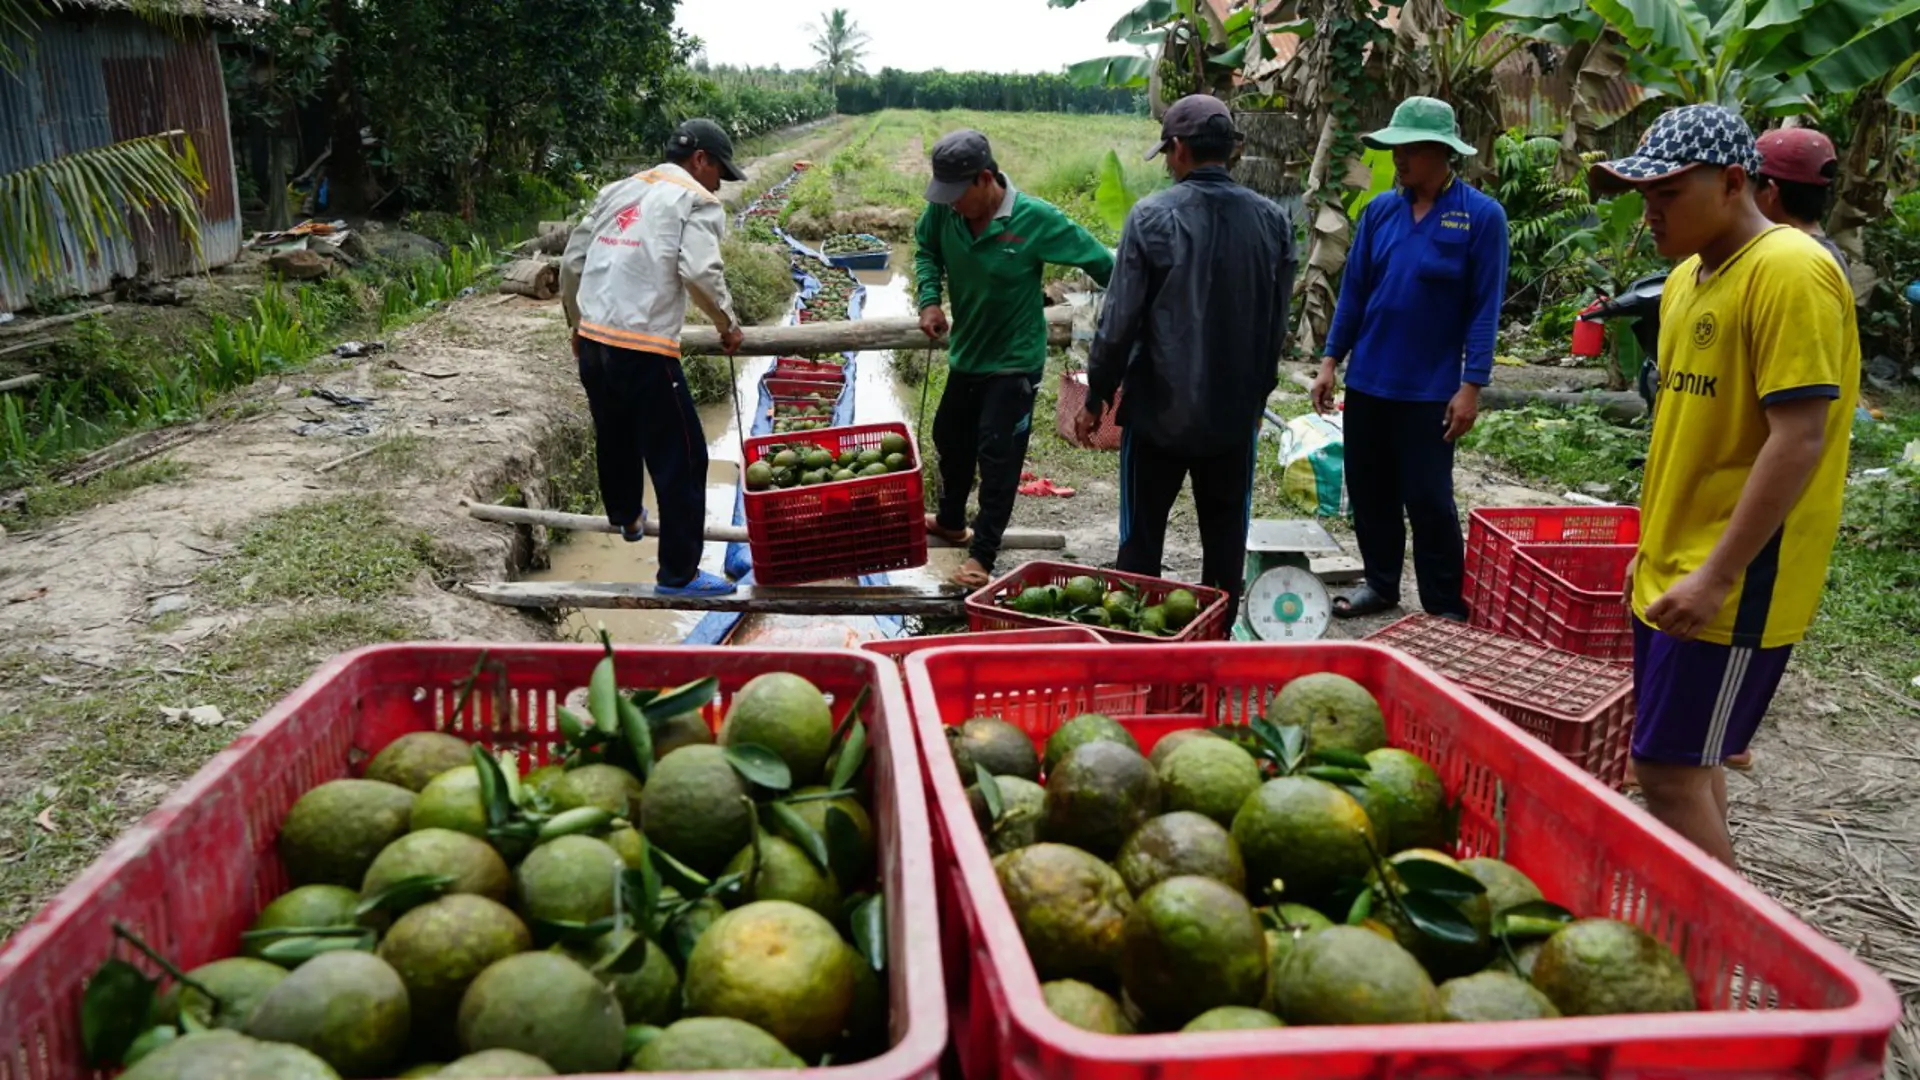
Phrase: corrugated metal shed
(92, 79)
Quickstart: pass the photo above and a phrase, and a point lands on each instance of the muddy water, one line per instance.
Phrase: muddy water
(605, 557)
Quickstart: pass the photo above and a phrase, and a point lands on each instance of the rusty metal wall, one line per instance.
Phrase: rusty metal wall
(89, 80)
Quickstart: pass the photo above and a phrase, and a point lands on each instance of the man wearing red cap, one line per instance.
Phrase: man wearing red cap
(1797, 166)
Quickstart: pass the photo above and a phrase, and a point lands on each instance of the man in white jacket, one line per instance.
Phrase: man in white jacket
(651, 241)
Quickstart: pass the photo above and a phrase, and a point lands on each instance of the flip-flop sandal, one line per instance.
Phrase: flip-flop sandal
(971, 579)
(1360, 603)
(956, 537)
(703, 584)
(1741, 762)
(634, 536)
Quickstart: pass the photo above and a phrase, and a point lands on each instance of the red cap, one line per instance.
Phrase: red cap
(1798, 156)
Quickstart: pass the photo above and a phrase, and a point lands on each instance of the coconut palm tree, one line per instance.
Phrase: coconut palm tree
(840, 44)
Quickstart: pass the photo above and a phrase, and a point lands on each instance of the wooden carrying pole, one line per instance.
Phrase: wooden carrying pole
(815, 339)
(1014, 540)
(939, 601)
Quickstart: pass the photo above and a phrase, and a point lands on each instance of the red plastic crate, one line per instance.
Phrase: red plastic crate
(1110, 700)
(795, 367)
(1568, 596)
(1786, 1001)
(194, 873)
(1492, 533)
(1072, 401)
(790, 390)
(867, 525)
(984, 613)
(1579, 706)
(901, 648)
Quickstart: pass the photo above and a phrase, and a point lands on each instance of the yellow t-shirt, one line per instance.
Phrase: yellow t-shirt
(1775, 323)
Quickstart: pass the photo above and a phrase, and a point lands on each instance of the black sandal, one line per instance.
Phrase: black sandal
(1360, 603)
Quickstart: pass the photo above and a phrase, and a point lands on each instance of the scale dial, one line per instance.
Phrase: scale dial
(1288, 603)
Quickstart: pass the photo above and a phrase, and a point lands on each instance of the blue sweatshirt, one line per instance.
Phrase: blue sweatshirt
(1420, 302)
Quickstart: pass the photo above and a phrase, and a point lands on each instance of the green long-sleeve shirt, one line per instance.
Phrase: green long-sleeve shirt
(999, 312)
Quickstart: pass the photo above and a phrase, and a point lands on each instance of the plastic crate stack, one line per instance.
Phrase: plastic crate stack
(1553, 575)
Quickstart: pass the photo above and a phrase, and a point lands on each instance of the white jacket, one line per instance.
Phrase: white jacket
(649, 241)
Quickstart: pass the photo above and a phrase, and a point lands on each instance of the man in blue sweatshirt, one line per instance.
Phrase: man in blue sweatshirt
(1419, 307)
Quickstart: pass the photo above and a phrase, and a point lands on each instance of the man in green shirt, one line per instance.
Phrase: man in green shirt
(986, 243)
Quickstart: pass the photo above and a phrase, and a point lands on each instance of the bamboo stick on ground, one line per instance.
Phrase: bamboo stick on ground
(1014, 540)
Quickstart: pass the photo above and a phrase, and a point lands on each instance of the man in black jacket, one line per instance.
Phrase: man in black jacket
(1193, 327)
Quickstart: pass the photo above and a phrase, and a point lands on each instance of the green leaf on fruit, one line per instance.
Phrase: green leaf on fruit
(1345, 759)
(870, 931)
(846, 848)
(603, 697)
(114, 1011)
(1446, 882)
(853, 754)
(1438, 919)
(681, 699)
(406, 893)
(760, 765)
(990, 791)
(639, 735)
(802, 834)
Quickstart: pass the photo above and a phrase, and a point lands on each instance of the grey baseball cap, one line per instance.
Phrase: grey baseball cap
(706, 135)
(958, 160)
(1195, 114)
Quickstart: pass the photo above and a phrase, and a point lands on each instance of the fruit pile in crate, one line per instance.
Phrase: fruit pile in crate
(829, 303)
(1122, 606)
(658, 897)
(1286, 872)
(836, 502)
(802, 404)
(1331, 864)
(853, 244)
(781, 465)
(831, 370)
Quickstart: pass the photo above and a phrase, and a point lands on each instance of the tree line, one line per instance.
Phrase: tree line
(986, 91)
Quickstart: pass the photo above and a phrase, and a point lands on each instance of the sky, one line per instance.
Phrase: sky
(912, 35)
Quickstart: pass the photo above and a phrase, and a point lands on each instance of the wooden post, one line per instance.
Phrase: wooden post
(940, 601)
(1014, 540)
(812, 339)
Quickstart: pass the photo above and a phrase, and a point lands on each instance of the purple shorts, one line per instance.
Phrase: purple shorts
(1698, 703)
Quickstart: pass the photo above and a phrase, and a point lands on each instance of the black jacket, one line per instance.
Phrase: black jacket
(1195, 318)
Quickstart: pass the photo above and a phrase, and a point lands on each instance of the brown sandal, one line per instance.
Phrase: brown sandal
(956, 537)
(971, 579)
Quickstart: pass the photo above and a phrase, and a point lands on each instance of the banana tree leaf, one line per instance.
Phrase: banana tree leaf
(1145, 17)
(1661, 31)
(1111, 71)
(1906, 96)
(1231, 58)
(1545, 10)
(1872, 55)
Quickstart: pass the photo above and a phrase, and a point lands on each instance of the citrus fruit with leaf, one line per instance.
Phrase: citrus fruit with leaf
(786, 714)
(1338, 713)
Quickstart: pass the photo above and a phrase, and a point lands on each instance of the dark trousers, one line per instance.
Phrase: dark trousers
(1150, 479)
(983, 424)
(1397, 462)
(643, 416)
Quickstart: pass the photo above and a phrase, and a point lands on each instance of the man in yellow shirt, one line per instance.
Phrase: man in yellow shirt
(1759, 375)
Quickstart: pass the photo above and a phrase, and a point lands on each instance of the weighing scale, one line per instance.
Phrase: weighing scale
(1284, 601)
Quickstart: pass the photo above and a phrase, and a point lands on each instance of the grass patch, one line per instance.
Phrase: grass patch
(394, 456)
(346, 547)
(1573, 449)
(50, 501)
(101, 753)
(760, 279)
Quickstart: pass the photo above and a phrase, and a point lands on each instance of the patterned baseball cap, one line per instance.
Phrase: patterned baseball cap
(1679, 140)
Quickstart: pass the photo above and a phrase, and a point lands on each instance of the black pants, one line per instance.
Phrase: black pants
(982, 424)
(1397, 460)
(1150, 479)
(643, 416)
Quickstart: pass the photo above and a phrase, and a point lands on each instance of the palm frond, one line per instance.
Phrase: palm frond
(18, 20)
(96, 195)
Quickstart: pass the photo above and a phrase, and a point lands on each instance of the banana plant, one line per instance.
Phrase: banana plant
(1772, 56)
(1188, 35)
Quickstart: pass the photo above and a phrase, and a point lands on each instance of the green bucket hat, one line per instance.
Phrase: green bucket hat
(1418, 120)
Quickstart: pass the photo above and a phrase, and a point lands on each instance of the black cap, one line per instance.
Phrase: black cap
(1195, 115)
(958, 160)
(706, 135)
